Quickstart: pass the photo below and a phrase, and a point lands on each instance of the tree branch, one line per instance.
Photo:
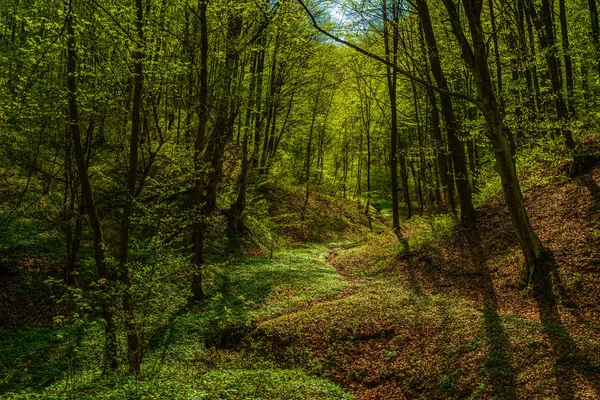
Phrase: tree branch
(382, 60)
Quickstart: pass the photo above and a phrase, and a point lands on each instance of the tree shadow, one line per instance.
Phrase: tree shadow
(35, 358)
(587, 181)
(499, 362)
(227, 316)
(569, 359)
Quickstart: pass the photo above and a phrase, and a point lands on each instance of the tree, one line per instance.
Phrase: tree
(88, 196)
(467, 211)
(475, 58)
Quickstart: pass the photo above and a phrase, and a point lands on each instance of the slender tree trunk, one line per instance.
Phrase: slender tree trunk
(595, 31)
(475, 58)
(528, 95)
(440, 152)
(223, 126)
(472, 148)
(365, 113)
(110, 350)
(467, 211)
(309, 145)
(236, 223)
(134, 355)
(271, 107)
(567, 57)
(496, 52)
(283, 129)
(368, 205)
(391, 55)
(258, 114)
(545, 27)
(237, 208)
(533, 59)
(199, 145)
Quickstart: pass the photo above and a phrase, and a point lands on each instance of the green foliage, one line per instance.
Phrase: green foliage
(312, 120)
(268, 384)
(542, 162)
(24, 237)
(64, 362)
(226, 384)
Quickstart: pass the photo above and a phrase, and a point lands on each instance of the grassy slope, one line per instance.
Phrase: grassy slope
(444, 323)
(325, 220)
(448, 322)
(193, 353)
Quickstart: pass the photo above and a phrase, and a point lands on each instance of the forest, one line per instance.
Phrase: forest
(299, 199)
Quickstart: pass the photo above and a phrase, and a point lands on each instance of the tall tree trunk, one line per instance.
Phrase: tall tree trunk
(212, 156)
(237, 208)
(110, 349)
(236, 221)
(258, 113)
(467, 211)
(475, 58)
(366, 116)
(440, 152)
(391, 55)
(595, 31)
(309, 145)
(529, 100)
(134, 355)
(496, 53)
(532, 60)
(271, 107)
(545, 27)
(199, 144)
(567, 57)
(284, 127)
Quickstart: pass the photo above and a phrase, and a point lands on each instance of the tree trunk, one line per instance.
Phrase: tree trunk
(440, 152)
(545, 27)
(366, 116)
(309, 145)
(133, 343)
(532, 61)
(198, 226)
(237, 208)
(567, 57)
(467, 211)
(475, 58)
(595, 31)
(391, 83)
(271, 108)
(258, 114)
(110, 350)
(496, 52)
(212, 157)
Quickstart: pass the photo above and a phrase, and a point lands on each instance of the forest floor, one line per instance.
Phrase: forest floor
(351, 318)
(447, 321)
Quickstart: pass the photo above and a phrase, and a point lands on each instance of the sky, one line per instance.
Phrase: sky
(337, 12)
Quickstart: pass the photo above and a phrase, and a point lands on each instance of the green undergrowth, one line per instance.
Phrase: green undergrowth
(232, 384)
(381, 251)
(391, 336)
(21, 237)
(193, 352)
(386, 335)
(325, 219)
(537, 165)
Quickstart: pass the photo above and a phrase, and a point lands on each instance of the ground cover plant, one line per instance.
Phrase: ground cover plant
(289, 199)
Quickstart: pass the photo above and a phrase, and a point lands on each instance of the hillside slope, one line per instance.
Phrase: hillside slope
(449, 322)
